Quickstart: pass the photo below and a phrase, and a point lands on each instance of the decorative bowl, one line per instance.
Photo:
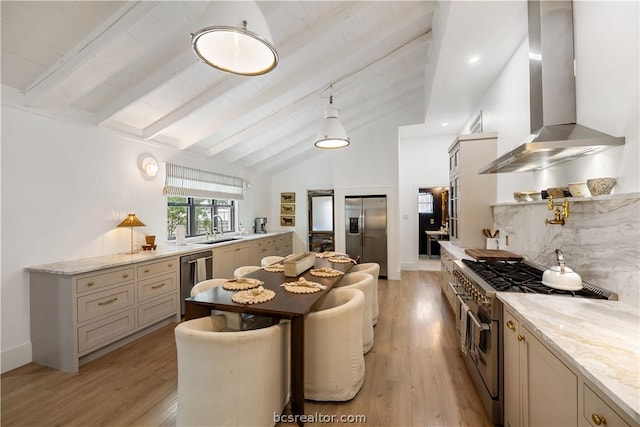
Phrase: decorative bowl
(557, 192)
(579, 189)
(600, 186)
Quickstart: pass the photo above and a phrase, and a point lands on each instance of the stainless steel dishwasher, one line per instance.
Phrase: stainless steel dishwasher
(188, 272)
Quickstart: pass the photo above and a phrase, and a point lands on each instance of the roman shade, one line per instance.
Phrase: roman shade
(189, 182)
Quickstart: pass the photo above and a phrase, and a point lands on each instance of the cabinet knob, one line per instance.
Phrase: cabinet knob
(90, 284)
(511, 325)
(170, 265)
(146, 270)
(125, 275)
(520, 337)
(598, 419)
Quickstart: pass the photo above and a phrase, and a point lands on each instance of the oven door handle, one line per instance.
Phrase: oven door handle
(453, 289)
(481, 326)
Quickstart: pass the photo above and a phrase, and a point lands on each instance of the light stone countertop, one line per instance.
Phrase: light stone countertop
(84, 265)
(600, 339)
(456, 251)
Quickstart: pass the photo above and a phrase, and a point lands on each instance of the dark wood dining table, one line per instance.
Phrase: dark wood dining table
(285, 305)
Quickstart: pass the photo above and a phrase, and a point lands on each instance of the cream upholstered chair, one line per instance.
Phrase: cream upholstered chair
(363, 282)
(272, 259)
(231, 378)
(373, 269)
(234, 320)
(244, 270)
(333, 360)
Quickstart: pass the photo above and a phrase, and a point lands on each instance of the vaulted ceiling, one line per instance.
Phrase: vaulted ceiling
(129, 67)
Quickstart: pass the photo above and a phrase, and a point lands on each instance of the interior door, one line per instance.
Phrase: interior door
(321, 220)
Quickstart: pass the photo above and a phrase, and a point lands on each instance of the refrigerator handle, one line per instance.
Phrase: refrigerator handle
(363, 230)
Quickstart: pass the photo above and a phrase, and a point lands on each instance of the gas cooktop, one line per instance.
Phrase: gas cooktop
(508, 276)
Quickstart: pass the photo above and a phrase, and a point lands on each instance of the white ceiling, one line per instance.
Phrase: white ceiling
(128, 66)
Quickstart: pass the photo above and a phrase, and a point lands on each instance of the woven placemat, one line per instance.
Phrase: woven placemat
(325, 272)
(325, 254)
(253, 296)
(341, 259)
(302, 286)
(275, 268)
(241, 283)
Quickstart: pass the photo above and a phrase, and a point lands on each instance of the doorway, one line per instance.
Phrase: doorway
(432, 216)
(321, 220)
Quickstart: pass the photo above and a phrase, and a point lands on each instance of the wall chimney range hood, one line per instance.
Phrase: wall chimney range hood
(556, 137)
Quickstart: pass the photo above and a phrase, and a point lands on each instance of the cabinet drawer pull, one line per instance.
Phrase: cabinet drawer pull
(511, 325)
(158, 286)
(520, 337)
(125, 275)
(170, 265)
(598, 419)
(90, 284)
(146, 270)
(108, 302)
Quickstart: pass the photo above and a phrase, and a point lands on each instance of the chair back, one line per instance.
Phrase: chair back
(244, 270)
(271, 259)
(206, 284)
(372, 268)
(364, 283)
(230, 378)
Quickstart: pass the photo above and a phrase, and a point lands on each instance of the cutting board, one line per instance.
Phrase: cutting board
(492, 255)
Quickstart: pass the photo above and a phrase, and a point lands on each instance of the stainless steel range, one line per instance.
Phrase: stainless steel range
(479, 316)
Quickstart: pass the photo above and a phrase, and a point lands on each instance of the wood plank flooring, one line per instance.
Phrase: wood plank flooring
(415, 375)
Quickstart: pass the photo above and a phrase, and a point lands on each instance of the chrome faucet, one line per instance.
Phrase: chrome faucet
(215, 229)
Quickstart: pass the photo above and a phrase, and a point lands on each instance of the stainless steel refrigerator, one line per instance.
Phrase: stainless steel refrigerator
(366, 229)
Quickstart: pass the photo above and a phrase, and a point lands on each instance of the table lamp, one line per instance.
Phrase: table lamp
(131, 221)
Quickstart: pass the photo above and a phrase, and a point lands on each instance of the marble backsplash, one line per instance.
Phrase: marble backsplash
(600, 240)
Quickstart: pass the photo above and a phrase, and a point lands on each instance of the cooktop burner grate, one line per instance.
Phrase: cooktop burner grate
(508, 276)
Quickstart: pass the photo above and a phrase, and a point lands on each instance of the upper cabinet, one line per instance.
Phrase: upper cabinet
(471, 194)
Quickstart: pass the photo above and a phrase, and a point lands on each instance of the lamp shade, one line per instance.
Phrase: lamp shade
(131, 221)
(331, 133)
(234, 37)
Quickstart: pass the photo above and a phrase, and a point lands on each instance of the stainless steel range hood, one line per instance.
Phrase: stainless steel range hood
(555, 137)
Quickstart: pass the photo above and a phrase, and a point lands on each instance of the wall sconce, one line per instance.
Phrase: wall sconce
(148, 166)
(559, 216)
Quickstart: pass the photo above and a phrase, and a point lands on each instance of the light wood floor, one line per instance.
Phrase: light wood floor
(415, 375)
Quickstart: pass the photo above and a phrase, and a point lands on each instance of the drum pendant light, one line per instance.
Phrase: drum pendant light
(234, 37)
(331, 133)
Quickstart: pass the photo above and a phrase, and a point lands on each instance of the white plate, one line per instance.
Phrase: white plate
(563, 287)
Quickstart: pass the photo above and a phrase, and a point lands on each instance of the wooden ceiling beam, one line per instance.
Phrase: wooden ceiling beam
(104, 34)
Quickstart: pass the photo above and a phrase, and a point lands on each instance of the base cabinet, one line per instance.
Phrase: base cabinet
(540, 390)
(227, 258)
(447, 281)
(76, 317)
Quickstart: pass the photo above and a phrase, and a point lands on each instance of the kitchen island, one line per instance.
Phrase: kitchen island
(596, 340)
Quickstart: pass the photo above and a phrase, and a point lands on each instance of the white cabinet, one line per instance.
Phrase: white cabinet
(280, 245)
(597, 411)
(471, 194)
(227, 258)
(539, 389)
(79, 317)
(447, 281)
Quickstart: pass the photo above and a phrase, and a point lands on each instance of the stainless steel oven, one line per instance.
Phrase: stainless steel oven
(479, 318)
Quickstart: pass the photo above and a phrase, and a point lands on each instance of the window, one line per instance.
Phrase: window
(425, 202)
(199, 215)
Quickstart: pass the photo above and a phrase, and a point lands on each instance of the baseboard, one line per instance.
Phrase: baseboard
(15, 357)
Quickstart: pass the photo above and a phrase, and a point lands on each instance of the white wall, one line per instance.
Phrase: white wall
(368, 166)
(424, 162)
(64, 189)
(606, 51)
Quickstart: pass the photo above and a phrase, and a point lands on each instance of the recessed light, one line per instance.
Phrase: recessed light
(474, 59)
(445, 124)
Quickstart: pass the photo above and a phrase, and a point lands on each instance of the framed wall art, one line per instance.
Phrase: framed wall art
(288, 209)
(287, 221)
(287, 197)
